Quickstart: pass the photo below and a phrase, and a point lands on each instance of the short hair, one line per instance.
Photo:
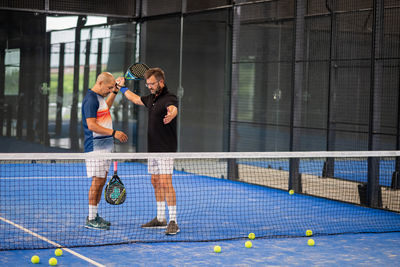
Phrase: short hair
(104, 77)
(156, 72)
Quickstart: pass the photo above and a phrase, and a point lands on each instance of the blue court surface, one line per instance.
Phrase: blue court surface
(338, 250)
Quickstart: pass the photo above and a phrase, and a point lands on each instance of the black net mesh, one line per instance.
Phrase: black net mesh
(216, 197)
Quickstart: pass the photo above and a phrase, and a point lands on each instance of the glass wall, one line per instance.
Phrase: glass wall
(262, 77)
(250, 75)
(101, 48)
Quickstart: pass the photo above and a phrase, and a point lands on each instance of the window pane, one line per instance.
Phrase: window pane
(12, 57)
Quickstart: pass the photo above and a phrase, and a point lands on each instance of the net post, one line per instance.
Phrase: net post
(395, 180)
(374, 195)
(294, 175)
(396, 175)
(329, 168)
(233, 170)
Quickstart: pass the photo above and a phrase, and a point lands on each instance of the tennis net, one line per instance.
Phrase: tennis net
(219, 196)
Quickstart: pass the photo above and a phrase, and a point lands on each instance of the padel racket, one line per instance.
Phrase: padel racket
(115, 192)
(136, 71)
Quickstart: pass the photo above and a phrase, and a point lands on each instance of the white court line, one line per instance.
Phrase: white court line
(43, 177)
(52, 243)
(82, 177)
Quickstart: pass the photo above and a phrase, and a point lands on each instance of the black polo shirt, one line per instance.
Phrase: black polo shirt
(160, 137)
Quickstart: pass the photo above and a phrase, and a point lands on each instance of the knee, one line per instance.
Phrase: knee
(160, 182)
(155, 181)
(98, 182)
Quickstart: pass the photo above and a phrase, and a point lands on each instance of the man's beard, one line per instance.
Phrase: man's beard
(158, 90)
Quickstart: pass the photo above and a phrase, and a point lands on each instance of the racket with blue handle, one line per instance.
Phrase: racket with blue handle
(115, 192)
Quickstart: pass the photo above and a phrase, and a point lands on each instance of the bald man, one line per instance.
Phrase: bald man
(99, 138)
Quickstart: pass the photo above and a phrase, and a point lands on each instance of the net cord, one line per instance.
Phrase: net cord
(199, 155)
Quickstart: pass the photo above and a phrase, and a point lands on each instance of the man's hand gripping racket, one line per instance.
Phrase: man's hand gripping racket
(115, 192)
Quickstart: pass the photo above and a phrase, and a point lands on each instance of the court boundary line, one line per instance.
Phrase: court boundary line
(52, 242)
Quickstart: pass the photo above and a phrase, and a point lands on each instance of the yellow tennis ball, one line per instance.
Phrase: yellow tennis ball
(35, 259)
(58, 252)
(311, 242)
(308, 233)
(217, 249)
(248, 244)
(291, 192)
(53, 261)
(252, 236)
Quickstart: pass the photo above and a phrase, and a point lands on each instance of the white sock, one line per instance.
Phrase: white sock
(92, 212)
(172, 213)
(160, 211)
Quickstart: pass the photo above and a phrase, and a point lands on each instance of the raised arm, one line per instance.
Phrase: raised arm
(111, 97)
(131, 96)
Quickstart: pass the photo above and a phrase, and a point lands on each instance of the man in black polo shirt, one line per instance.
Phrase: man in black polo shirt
(161, 137)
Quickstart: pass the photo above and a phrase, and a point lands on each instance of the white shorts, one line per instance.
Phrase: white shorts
(161, 165)
(97, 167)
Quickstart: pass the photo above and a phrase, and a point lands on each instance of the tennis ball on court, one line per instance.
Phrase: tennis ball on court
(217, 249)
(53, 261)
(308, 233)
(252, 236)
(248, 244)
(291, 192)
(310, 242)
(35, 259)
(58, 252)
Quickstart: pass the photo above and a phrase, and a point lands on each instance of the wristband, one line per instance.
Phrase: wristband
(113, 133)
(115, 92)
(123, 89)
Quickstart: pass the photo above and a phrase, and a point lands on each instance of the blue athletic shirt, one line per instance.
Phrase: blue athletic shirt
(95, 106)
